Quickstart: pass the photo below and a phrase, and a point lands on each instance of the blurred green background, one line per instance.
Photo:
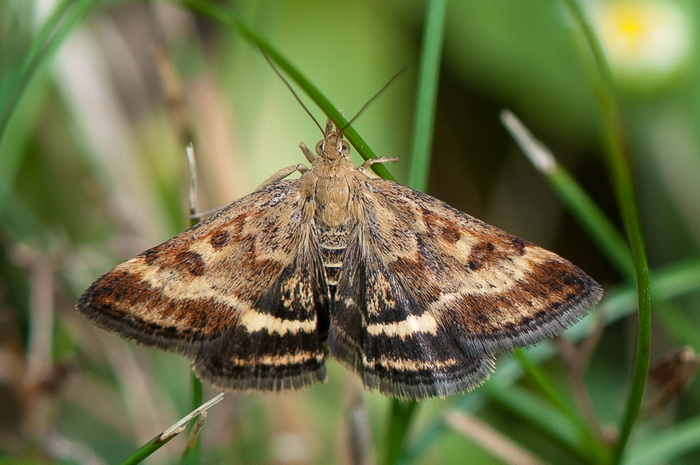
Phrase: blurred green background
(92, 172)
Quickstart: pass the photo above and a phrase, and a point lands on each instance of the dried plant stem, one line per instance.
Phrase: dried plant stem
(177, 428)
(490, 439)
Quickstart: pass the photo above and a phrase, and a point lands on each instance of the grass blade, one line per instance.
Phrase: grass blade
(17, 77)
(399, 421)
(163, 438)
(619, 166)
(426, 95)
(401, 412)
(191, 454)
(49, 38)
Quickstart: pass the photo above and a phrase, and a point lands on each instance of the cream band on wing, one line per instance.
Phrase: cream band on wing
(425, 323)
(409, 365)
(255, 321)
(278, 360)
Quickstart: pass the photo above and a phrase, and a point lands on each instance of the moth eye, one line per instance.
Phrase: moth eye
(319, 147)
(345, 148)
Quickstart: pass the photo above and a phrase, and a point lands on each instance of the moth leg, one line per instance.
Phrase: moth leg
(283, 173)
(363, 167)
(372, 161)
(307, 153)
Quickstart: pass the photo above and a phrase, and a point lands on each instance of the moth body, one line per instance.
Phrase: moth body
(415, 297)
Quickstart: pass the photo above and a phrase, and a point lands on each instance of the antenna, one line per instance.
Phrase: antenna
(374, 97)
(291, 89)
(296, 96)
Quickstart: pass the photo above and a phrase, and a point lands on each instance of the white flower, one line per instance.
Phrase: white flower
(645, 40)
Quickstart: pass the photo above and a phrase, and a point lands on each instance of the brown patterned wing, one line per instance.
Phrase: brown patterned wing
(429, 294)
(239, 293)
(382, 331)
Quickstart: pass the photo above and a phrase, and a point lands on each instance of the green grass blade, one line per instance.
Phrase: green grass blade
(399, 421)
(49, 38)
(146, 450)
(44, 35)
(426, 95)
(18, 76)
(402, 413)
(619, 166)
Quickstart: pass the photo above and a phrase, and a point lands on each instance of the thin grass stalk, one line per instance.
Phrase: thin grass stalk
(619, 166)
(192, 453)
(163, 438)
(426, 94)
(399, 420)
(401, 412)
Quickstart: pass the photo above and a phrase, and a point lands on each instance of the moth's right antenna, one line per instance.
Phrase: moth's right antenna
(374, 97)
(291, 89)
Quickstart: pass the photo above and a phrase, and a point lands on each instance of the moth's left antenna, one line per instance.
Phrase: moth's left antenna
(291, 89)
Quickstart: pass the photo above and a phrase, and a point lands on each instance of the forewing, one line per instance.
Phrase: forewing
(239, 293)
(429, 294)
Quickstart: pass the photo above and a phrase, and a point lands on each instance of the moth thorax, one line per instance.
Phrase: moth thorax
(333, 200)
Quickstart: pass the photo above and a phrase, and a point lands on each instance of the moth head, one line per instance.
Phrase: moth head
(332, 146)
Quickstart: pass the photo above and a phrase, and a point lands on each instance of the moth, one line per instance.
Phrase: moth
(412, 295)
